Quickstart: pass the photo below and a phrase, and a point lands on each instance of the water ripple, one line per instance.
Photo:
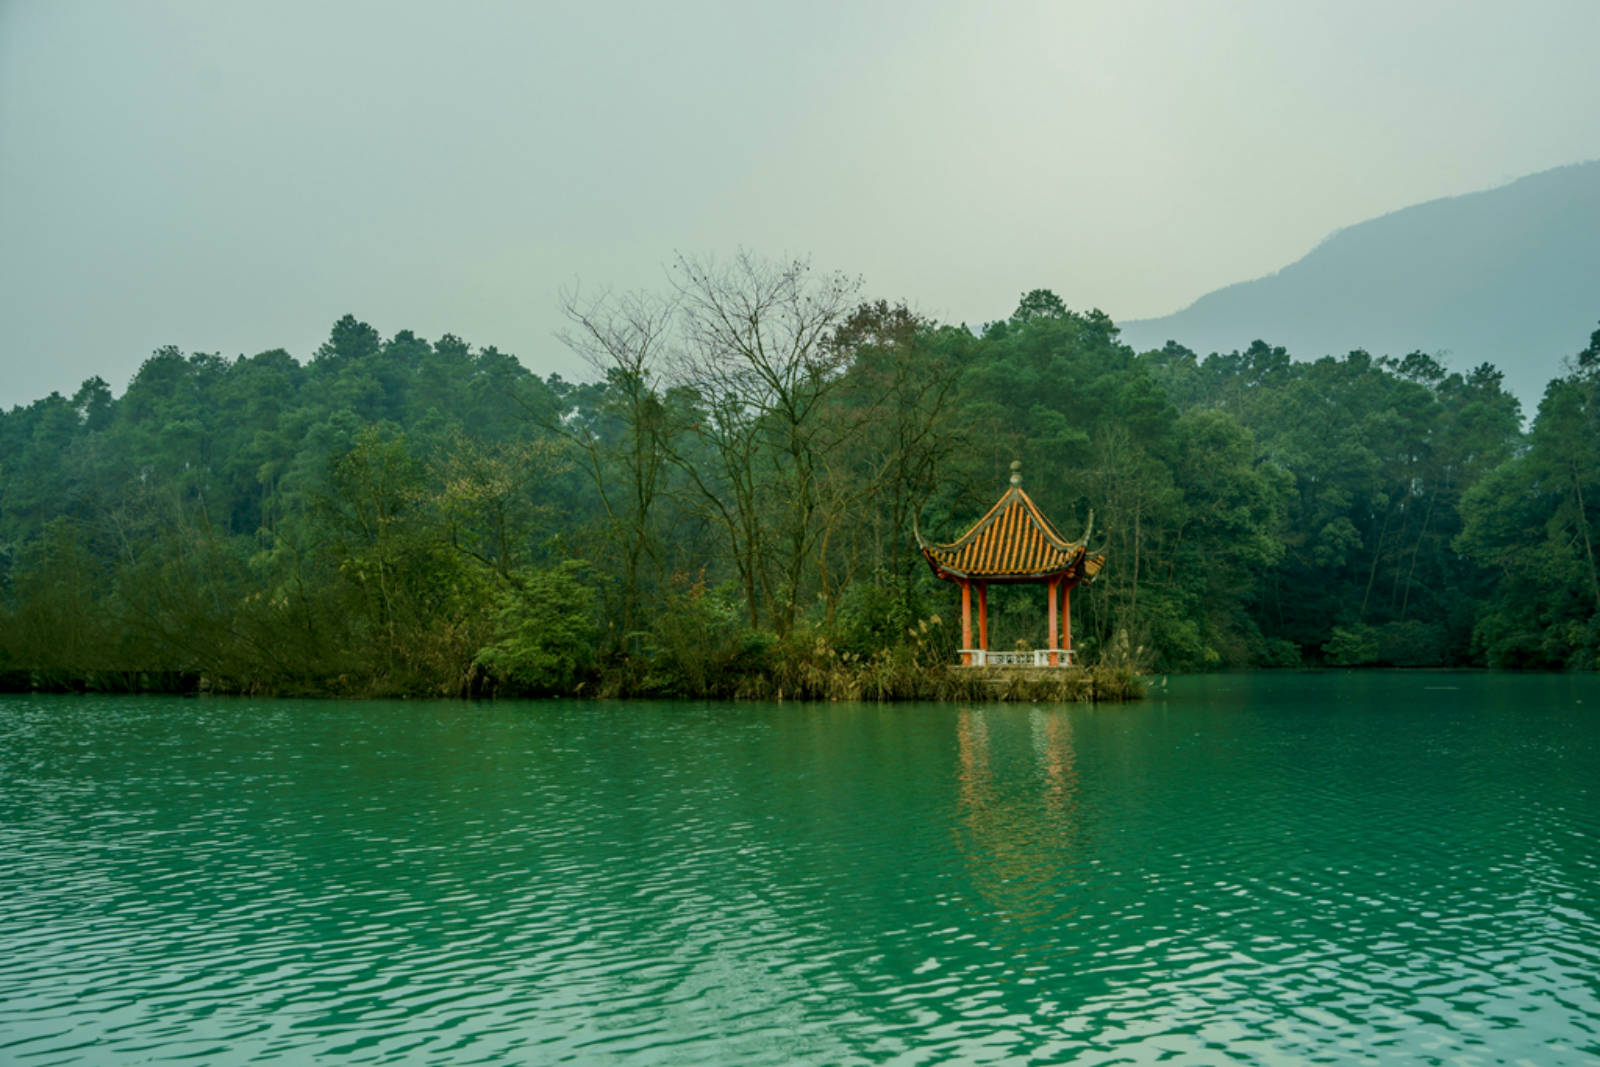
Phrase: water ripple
(1282, 870)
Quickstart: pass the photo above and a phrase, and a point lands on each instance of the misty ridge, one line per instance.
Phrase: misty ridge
(1508, 276)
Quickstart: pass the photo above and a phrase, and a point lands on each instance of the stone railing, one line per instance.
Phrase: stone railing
(1039, 657)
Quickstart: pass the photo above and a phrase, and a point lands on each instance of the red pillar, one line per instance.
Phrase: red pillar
(966, 621)
(1055, 584)
(1066, 621)
(983, 616)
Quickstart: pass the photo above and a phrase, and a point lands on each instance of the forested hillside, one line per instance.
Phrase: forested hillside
(728, 507)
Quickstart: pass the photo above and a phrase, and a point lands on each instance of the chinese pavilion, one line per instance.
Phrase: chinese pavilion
(1012, 544)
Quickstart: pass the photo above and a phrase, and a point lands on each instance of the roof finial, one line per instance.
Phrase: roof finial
(1016, 473)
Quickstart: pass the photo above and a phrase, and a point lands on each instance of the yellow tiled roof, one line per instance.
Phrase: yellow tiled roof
(1013, 542)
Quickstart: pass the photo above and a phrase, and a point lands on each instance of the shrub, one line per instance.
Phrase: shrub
(699, 644)
(1411, 644)
(1352, 646)
(545, 631)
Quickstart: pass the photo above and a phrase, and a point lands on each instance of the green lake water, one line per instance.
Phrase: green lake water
(1270, 868)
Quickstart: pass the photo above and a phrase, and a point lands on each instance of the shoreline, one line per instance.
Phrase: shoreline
(1097, 684)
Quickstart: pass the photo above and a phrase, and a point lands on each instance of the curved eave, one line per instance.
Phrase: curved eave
(1082, 569)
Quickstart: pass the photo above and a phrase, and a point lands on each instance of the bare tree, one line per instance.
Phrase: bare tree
(757, 354)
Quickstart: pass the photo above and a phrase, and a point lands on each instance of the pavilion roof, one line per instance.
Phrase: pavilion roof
(1014, 542)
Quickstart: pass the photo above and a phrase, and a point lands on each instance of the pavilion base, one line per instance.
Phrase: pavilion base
(1038, 657)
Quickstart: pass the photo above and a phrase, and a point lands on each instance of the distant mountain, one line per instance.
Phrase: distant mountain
(1509, 276)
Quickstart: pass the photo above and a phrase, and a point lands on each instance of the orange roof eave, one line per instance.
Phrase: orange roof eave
(949, 574)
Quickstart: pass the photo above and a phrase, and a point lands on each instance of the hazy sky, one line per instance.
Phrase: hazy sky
(233, 177)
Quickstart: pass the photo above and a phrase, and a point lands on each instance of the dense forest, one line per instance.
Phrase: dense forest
(728, 506)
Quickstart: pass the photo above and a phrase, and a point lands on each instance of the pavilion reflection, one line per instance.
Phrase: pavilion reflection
(1018, 826)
